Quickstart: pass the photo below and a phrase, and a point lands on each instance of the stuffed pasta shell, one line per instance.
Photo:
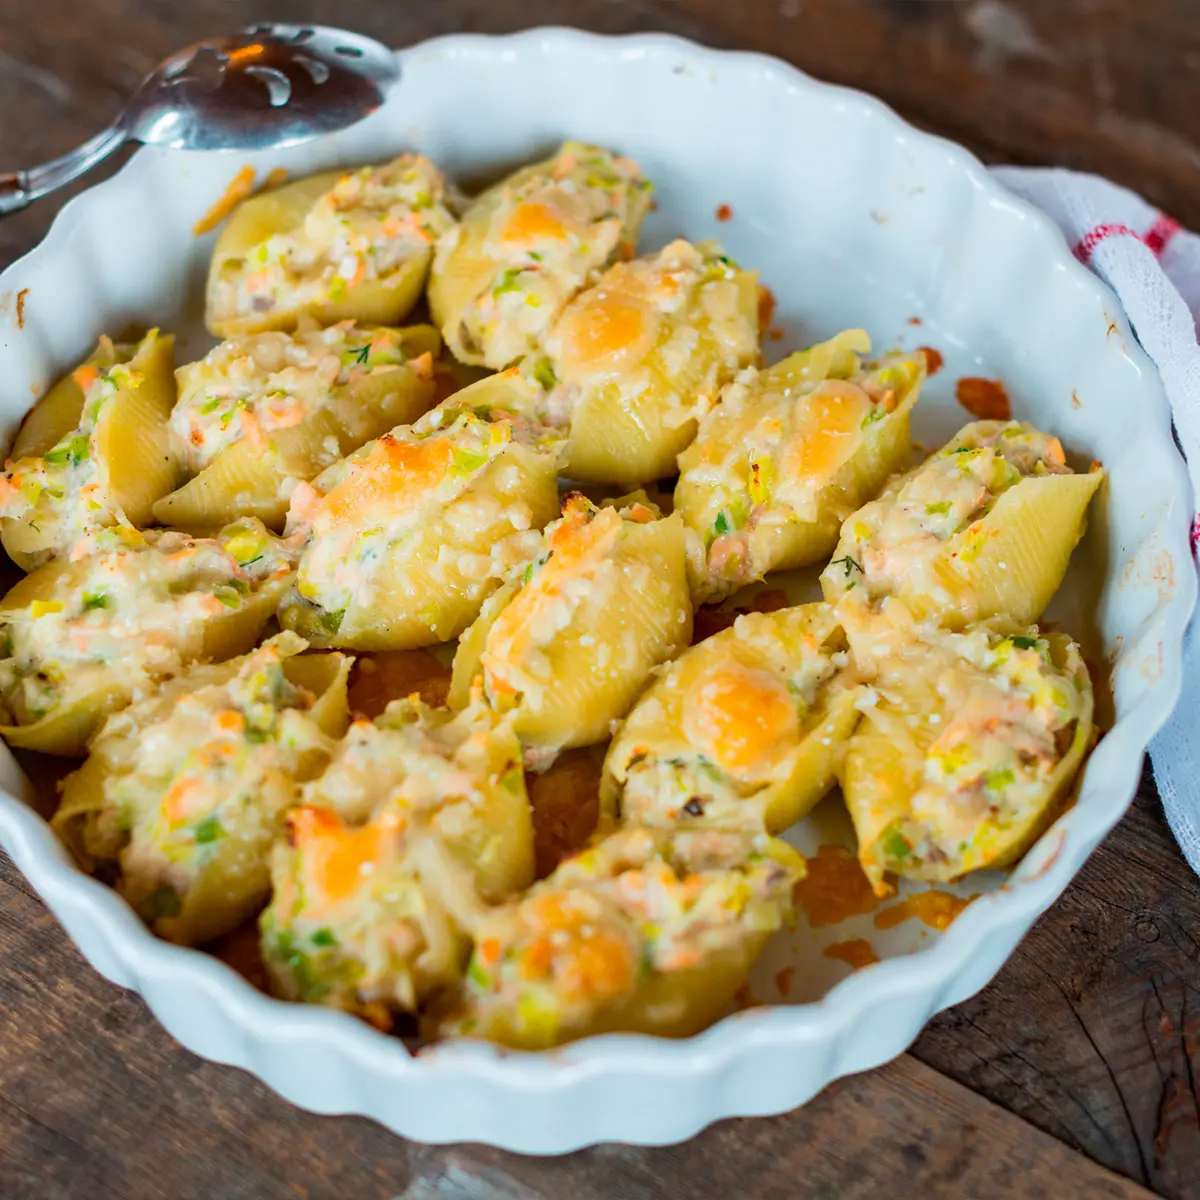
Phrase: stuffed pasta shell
(984, 527)
(972, 744)
(84, 637)
(184, 792)
(569, 645)
(649, 931)
(264, 411)
(527, 245)
(788, 454)
(418, 823)
(94, 451)
(744, 731)
(635, 361)
(406, 538)
(336, 246)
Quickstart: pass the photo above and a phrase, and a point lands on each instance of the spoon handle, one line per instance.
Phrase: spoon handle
(20, 187)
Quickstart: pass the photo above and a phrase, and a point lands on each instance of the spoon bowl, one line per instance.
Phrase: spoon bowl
(271, 85)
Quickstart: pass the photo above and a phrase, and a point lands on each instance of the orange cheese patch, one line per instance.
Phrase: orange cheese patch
(742, 717)
(392, 476)
(332, 855)
(832, 418)
(533, 222)
(606, 329)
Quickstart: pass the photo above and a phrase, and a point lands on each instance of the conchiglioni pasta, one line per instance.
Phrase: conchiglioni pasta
(407, 537)
(264, 411)
(984, 527)
(635, 361)
(336, 246)
(973, 741)
(94, 451)
(569, 645)
(787, 455)
(84, 637)
(744, 731)
(420, 821)
(648, 931)
(527, 245)
(184, 793)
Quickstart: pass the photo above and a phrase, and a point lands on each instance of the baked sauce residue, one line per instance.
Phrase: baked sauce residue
(934, 908)
(933, 359)
(382, 676)
(857, 953)
(21, 307)
(724, 212)
(835, 887)
(744, 998)
(766, 307)
(783, 980)
(914, 320)
(776, 334)
(984, 399)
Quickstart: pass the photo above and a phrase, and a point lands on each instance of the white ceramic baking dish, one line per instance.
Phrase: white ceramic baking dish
(854, 219)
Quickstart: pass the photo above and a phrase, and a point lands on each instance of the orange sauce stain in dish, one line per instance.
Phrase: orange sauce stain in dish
(724, 212)
(240, 186)
(933, 359)
(766, 307)
(276, 177)
(771, 600)
(934, 908)
(984, 399)
(914, 320)
(857, 953)
(835, 887)
(744, 998)
(783, 980)
(776, 334)
(21, 307)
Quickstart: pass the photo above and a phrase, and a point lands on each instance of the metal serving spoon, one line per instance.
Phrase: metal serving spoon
(273, 85)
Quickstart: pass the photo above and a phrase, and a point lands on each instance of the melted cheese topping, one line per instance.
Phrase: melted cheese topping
(368, 505)
(250, 387)
(998, 716)
(373, 887)
(129, 611)
(638, 904)
(546, 233)
(369, 225)
(768, 454)
(673, 322)
(721, 723)
(67, 490)
(899, 534)
(220, 763)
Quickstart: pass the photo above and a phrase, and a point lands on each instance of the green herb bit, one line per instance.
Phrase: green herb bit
(1025, 643)
(324, 937)
(360, 355)
(478, 974)
(95, 600)
(73, 451)
(228, 595)
(509, 282)
(543, 374)
(331, 622)
(938, 509)
(896, 846)
(721, 525)
(848, 564)
(208, 830)
(876, 414)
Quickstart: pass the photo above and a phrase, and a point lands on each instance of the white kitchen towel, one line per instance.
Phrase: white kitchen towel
(1154, 266)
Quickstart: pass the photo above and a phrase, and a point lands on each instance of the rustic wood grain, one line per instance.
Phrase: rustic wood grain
(97, 1101)
(1091, 1032)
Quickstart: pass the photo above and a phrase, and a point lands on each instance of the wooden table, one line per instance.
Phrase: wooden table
(1072, 1075)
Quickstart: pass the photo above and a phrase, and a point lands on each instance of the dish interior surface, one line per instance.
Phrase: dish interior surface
(852, 220)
